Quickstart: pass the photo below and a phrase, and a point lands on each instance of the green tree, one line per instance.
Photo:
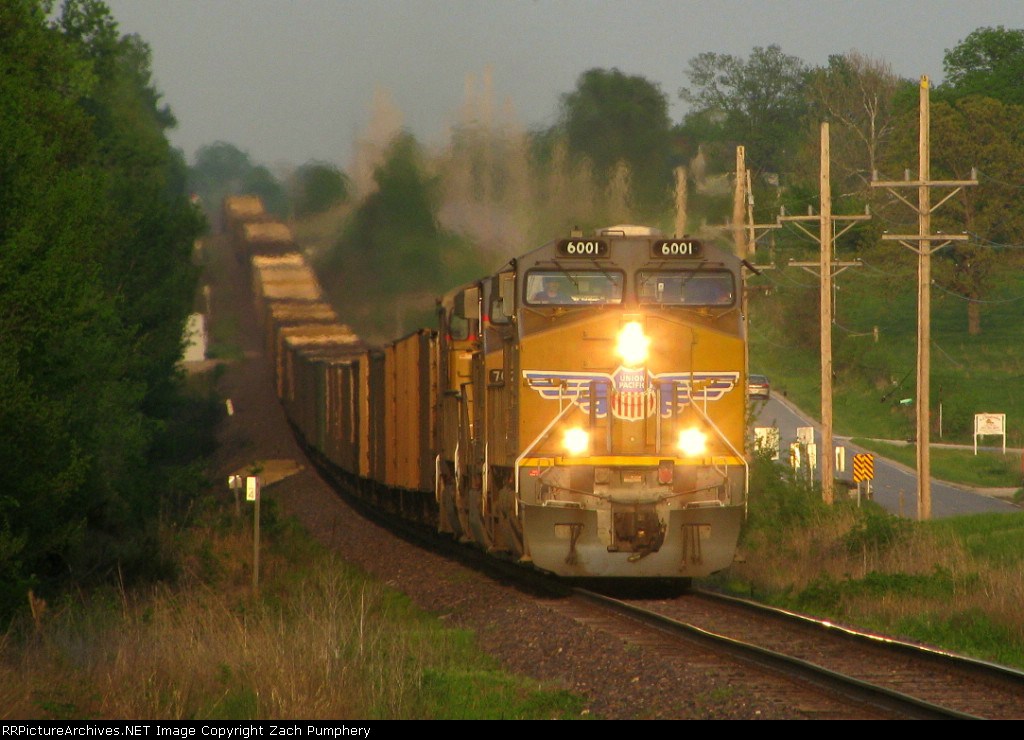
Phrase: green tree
(855, 94)
(989, 62)
(612, 117)
(393, 245)
(148, 261)
(758, 102)
(222, 169)
(95, 281)
(318, 186)
(968, 133)
(60, 338)
(261, 181)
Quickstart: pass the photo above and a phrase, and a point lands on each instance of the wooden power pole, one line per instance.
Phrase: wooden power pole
(923, 244)
(745, 231)
(739, 203)
(825, 267)
(745, 234)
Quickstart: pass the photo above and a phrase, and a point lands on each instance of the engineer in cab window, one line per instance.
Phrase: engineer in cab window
(552, 292)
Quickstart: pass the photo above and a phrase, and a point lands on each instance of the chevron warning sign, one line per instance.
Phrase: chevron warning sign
(863, 467)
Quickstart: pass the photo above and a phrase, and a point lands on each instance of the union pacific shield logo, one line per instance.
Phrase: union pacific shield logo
(633, 398)
(631, 394)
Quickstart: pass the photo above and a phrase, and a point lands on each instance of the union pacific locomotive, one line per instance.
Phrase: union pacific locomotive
(581, 410)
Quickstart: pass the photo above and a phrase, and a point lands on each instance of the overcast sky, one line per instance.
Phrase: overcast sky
(292, 80)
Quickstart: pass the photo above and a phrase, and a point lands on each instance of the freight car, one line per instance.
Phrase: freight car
(252, 230)
(581, 410)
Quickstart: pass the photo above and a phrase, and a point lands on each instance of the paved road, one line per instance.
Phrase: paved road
(895, 485)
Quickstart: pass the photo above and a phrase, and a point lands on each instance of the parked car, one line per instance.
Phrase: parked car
(758, 386)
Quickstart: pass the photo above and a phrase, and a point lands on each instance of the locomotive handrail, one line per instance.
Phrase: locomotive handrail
(574, 403)
(721, 435)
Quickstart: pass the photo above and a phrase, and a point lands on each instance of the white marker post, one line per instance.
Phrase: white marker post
(805, 438)
(252, 493)
(236, 483)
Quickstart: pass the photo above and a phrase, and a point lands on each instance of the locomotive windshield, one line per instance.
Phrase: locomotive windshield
(573, 287)
(685, 287)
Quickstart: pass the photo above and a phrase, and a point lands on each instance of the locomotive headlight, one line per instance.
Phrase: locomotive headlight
(633, 344)
(693, 442)
(576, 441)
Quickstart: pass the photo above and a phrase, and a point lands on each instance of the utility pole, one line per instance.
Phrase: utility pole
(745, 231)
(680, 221)
(745, 235)
(924, 248)
(825, 267)
(739, 200)
(751, 227)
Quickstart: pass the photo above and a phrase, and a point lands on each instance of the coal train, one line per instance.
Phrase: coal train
(582, 410)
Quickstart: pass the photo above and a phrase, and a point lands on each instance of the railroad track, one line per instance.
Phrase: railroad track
(805, 667)
(821, 670)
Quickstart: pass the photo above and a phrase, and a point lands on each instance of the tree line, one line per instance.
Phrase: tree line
(96, 283)
(614, 154)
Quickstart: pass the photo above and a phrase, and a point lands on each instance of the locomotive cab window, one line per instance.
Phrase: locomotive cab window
(573, 287)
(685, 287)
(502, 300)
(458, 327)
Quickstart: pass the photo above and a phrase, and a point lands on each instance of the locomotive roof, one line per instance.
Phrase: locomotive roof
(629, 230)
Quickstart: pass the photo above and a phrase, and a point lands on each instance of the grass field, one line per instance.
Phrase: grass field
(956, 583)
(322, 640)
(874, 351)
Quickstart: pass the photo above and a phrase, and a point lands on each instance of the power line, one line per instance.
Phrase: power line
(968, 299)
(988, 243)
(948, 356)
(988, 178)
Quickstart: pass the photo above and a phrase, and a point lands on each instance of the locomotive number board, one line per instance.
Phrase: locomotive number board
(677, 249)
(583, 248)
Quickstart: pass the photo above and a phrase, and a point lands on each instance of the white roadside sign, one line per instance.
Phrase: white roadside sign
(989, 425)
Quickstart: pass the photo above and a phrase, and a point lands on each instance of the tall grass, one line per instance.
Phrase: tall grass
(957, 583)
(321, 641)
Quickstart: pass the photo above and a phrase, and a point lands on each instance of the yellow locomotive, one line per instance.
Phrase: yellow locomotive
(581, 410)
(592, 407)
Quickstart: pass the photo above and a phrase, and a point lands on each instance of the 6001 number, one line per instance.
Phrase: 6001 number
(586, 248)
(583, 248)
(670, 248)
